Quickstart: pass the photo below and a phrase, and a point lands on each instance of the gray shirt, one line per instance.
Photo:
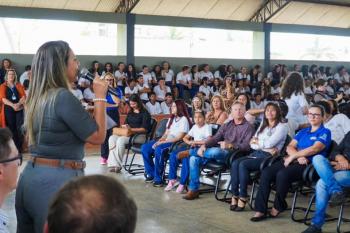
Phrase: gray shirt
(64, 130)
(4, 222)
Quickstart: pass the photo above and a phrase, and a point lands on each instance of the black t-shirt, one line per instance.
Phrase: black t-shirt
(139, 120)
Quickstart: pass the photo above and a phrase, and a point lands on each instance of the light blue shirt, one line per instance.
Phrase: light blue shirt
(4, 222)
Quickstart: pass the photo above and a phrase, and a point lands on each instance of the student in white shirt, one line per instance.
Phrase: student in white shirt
(338, 124)
(167, 74)
(205, 88)
(147, 76)
(293, 93)
(161, 89)
(76, 92)
(177, 127)
(120, 75)
(342, 75)
(166, 105)
(215, 89)
(244, 74)
(89, 94)
(142, 88)
(199, 132)
(268, 140)
(195, 75)
(152, 105)
(184, 81)
(131, 89)
(221, 72)
(206, 73)
(26, 74)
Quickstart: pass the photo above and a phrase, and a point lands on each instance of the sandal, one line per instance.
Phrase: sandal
(273, 216)
(241, 208)
(233, 207)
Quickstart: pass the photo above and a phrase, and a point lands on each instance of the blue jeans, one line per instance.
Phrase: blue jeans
(182, 88)
(36, 187)
(174, 163)
(240, 170)
(330, 181)
(196, 162)
(154, 169)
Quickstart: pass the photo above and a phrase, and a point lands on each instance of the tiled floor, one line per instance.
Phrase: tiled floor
(162, 212)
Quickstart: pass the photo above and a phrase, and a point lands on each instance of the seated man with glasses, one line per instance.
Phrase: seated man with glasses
(10, 160)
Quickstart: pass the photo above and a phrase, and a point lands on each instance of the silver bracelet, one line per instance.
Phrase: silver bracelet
(99, 100)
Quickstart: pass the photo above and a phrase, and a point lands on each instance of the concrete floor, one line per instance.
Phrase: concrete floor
(162, 212)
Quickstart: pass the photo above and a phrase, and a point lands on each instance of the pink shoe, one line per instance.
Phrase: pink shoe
(170, 186)
(103, 161)
(181, 188)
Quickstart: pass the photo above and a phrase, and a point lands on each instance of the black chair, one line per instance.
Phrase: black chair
(305, 187)
(135, 147)
(220, 169)
(255, 175)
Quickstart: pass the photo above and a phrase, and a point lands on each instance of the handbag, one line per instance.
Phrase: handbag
(122, 132)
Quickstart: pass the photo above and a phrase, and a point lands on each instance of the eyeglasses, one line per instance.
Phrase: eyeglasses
(314, 115)
(18, 157)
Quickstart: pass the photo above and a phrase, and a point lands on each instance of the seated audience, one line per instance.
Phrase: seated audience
(310, 141)
(138, 120)
(166, 105)
(161, 89)
(120, 76)
(92, 204)
(152, 105)
(177, 127)
(206, 73)
(334, 176)
(268, 140)
(142, 88)
(235, 134)
(218, 114)
(199, 133)
(184, 81)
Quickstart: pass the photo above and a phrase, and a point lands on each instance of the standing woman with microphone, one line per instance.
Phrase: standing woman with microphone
(58, 128)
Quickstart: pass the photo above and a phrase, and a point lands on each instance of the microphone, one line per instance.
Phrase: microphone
(84, 73)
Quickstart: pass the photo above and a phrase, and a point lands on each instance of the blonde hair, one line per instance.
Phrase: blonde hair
(14, 71)
(222, 102)
(49, 76)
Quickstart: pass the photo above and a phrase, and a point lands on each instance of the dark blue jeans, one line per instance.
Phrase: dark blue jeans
(240, 170)
(182, 88)
(174, 163)
(154, 169)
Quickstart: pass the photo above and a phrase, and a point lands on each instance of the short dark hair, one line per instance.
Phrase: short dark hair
(151, 93)
(5, 137)
(92, 204)
(28, 67)
(169, 94)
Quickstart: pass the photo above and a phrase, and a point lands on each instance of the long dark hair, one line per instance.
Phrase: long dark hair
(131, 74)
(265, 122)
(294, 83)
(136, 98)
(181, 111)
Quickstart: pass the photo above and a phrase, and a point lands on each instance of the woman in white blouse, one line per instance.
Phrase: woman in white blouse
(293, 93)
(267, 141)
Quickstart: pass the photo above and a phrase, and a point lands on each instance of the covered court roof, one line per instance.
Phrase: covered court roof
(329, 13)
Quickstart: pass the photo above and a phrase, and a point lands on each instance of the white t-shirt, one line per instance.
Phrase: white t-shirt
(23, 77)
(128, 90)
(169, 76)
(88, 94)
(208, 74)
(275, 90)
(119, 74)
(216, 92)
(178, 126)
(200, 133)
(217, 75)
(77, 93)
(196, 77)
(165, 108)
(296, 104)
(154, 109)
(341, 79)
(161, 93)
(242, 76)
(339, 126)
(83, 81)
(205, 90)
(186, 78)
(147, 78)
(143, 96)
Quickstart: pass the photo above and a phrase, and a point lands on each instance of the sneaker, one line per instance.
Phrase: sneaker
(181, 188)
(337, 198)
(170, 186)
(312, 229)
(149, 179)
(158, 184)
(103, 161)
